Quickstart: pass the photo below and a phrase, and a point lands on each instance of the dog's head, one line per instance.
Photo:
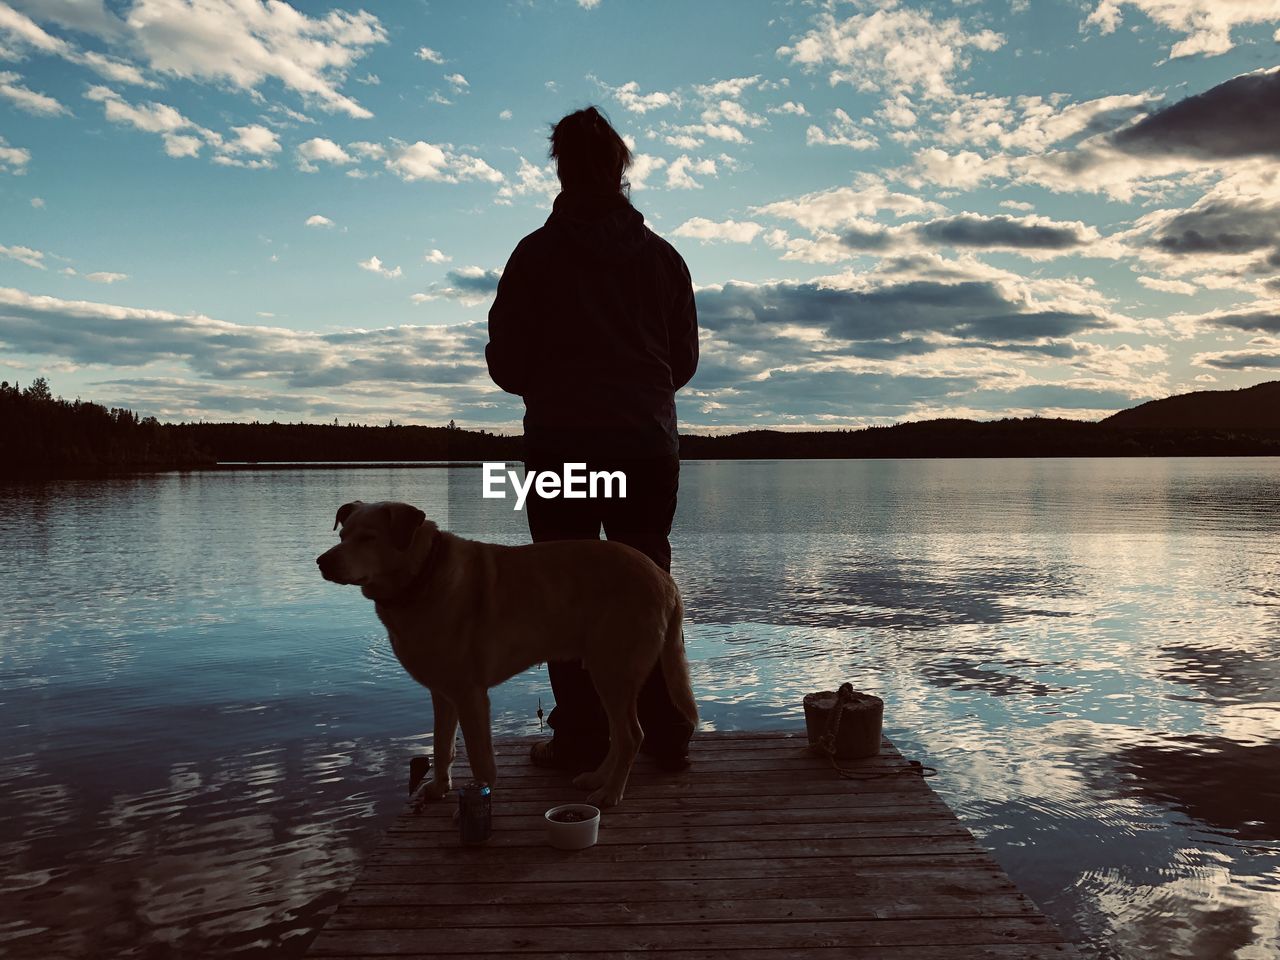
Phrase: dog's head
(383, 546)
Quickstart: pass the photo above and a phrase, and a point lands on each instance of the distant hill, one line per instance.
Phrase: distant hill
(1253, 408)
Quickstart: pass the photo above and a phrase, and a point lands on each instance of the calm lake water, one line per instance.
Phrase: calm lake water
(200, 739)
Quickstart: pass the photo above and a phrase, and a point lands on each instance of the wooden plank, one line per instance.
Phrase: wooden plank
(981, 951)
(731, 935)
(700, 752)
(752, 760)
(506, 815)
(823, 782)
(530, 832)
(816, 867)
(628, 853)
(855, 804)
(805, 906)
(996, 951)
(919, 881)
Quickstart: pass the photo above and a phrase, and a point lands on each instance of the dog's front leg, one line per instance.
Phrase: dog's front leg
(446, 733)
(473, 711)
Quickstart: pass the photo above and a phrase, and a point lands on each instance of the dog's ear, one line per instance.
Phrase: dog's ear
(344, 511)
(405, 521)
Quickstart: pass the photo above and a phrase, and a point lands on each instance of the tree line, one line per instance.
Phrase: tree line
(44, 435)
(41, 434)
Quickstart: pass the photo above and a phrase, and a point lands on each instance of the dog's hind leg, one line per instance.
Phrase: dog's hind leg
(609, 781)
(444, 736)
(473, 712)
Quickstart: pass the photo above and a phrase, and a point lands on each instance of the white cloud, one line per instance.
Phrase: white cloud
(470, 286)
(103, 276)
(457, 81)
(1017, 205)
(680, 170)
(731, 231)
(370, 80)
(149, 117)
(253, 139)
(436, 256)
(13, 159)
(319, 149)
(790, 106)
(29, 100)
(530, 179)
(374, 265)
(642, 166)
(368, 149)
(113, 68)
(37, 202)
(1207, 24)
(427, 161)
(182, 145)
(25, 32)
(429, 55)
(962, 170)
(245, 42)
(588, 4)
(32, 258)
(1034, 123)
(289, 369)
(839, 206)
(83, 16)
(895, 48)
(317, 220)
(1169, 286)
(732, 88)
(688, 136)
(683, 141)
(632, 99)
(183, 137)
(897, 111)
(843, 131)
(731, 111)
(505, 115)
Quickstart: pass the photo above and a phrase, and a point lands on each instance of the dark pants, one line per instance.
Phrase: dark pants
(642, 520)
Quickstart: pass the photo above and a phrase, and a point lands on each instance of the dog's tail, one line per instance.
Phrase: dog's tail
(675, 668)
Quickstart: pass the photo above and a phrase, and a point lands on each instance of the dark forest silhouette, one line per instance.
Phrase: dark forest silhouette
(44, 435)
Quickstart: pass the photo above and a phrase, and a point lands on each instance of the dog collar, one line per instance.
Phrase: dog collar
(405, 595)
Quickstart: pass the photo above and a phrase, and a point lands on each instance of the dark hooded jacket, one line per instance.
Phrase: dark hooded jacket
(594, 325)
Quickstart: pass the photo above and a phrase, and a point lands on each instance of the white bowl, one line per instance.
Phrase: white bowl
(573, 836)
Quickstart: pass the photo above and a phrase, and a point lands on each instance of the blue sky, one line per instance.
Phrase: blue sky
(224, 209)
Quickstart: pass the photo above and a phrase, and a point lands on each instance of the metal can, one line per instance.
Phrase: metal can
(475, 812)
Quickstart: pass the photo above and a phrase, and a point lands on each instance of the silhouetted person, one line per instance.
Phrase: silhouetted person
(594, 326)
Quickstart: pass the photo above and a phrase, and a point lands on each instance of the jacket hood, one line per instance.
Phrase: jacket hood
(605, 227)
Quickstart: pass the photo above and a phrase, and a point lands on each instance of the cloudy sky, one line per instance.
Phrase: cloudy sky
(230, 209)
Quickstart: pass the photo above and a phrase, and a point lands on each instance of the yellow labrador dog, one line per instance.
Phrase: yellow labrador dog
(463, 616)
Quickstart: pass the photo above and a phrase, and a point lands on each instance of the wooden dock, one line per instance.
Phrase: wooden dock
(758, 852)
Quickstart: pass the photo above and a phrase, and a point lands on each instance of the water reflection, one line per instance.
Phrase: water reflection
(199, 739)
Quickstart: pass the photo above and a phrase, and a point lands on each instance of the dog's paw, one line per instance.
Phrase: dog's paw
(604, 797)
(589, 780)
(435, 789)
